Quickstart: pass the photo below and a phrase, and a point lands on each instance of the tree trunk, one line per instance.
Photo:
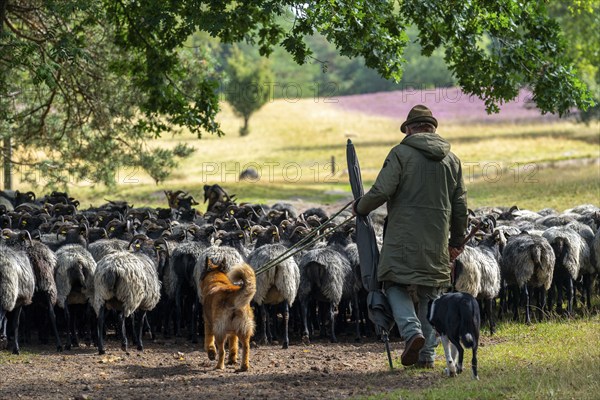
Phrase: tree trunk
(7, 164)
(244, 129)
(7, 154)
(3, 5)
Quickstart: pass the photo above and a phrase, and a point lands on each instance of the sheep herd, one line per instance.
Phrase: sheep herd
(76, 274)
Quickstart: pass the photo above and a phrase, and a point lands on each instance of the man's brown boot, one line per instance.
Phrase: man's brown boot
(410, 355)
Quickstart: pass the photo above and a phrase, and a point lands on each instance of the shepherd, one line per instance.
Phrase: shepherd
(421, 182)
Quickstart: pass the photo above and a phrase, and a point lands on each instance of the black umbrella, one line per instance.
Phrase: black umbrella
(379, 309)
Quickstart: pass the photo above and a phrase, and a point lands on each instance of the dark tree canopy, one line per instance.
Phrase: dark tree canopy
(85, 84)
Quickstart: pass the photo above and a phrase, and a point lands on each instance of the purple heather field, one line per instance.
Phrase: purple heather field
(447, 104)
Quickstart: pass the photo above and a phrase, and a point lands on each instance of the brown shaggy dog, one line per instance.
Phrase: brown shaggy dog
(227, 312)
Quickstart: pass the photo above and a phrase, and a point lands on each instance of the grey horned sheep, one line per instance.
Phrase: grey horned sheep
(43, 263)
(17, 285)
(570, 251)
(277, 285)
(126, 282)
(326, 276)
(74, 276)
(528, 261)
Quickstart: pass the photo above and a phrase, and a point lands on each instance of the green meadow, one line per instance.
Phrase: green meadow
(557, 359)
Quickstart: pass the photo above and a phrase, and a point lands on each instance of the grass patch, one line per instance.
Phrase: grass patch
(536, 188)
(7, 357)
(550, 360)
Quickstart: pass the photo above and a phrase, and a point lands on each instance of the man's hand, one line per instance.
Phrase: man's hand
(454, 252)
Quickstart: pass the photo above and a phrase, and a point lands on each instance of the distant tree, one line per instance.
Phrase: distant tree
(249, 85)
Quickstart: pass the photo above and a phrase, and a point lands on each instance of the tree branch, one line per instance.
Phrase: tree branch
(22, 35)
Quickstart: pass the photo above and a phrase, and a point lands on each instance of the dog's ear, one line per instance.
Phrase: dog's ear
(210, 265)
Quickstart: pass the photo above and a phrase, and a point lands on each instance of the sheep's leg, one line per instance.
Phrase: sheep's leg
(559, 297)
(3, 323)
(68, 323)
(93, 328)
(3, 326)
(525, 295)
(489, 304)
(304, 312)
(332, 322)
(356, 313)
(141, 318)
(541, 302)
(263, 320)
(314, 314)
(146, 326)
(100, 331)
(550, 297)
(587, 288)
(122, 320)
(271, 323)
(515, 297)
(503, 304)
(74, 320)
(15, 317)
(286, 321)
(570, 296)
(195, 313)
(450, 367)
(52, 317)
(89, 322)
(178, 310)
(169, 318)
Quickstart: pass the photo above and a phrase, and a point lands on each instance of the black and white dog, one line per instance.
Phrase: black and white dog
(455, 316)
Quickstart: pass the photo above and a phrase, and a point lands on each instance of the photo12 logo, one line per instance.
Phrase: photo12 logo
(493, 171)
(228, 172)
(291, 92)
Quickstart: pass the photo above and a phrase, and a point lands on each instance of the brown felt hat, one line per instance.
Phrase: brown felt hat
(418, 113)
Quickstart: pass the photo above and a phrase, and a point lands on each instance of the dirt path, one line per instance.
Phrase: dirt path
(321, 370)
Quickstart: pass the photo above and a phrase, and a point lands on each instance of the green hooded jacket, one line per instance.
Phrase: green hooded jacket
(421, 181)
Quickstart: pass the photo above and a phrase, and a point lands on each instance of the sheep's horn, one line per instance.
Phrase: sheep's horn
(255, 228)
(26, 233)
(162, 244)
(137, 237)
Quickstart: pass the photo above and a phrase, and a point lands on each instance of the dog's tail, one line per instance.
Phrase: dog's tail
(243, 275)
(469, 322)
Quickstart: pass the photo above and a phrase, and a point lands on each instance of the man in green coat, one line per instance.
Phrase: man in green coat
(421, 182)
